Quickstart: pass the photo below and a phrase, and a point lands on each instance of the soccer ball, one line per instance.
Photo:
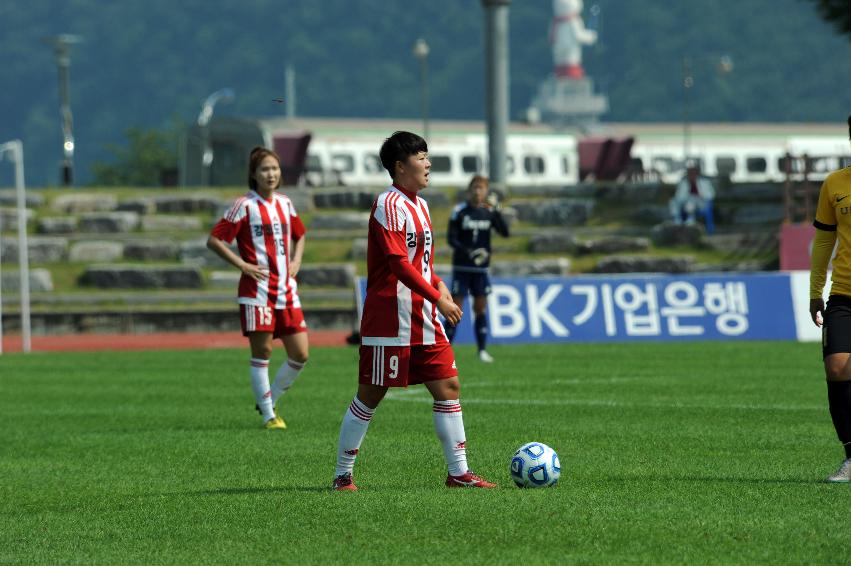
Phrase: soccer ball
(535, 465)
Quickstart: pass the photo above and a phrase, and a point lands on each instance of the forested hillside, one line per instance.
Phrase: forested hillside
(149, 64)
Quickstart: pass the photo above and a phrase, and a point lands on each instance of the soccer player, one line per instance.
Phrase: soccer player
(833, 218)
(470, 228)
(402, 341)
(270, 237)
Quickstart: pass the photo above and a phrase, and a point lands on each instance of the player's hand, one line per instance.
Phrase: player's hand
(295, 265)
(817, 311)
(450, 311)
(256, 272)
(479, 256)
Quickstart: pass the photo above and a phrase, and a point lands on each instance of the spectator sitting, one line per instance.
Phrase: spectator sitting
(693, 198)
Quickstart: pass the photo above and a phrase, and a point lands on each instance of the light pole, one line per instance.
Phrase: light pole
(421, 51)
(723, 65)
(496, 88)
(207, 107)
(62, 47)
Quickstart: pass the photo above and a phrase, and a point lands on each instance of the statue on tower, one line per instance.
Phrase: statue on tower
(566, 98)
(567, 35)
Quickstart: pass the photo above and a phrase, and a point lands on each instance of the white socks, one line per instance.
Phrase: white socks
(287, 374)
(355, 422)
(449, 425)
(260, 386)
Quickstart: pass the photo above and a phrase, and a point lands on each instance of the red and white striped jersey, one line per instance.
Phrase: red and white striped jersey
(264, 232)
(394, 314)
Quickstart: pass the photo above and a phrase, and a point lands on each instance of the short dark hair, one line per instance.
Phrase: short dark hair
(478, 179)
(399, 147)
(258, 154)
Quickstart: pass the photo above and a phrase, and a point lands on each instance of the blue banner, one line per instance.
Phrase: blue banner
(635, 308)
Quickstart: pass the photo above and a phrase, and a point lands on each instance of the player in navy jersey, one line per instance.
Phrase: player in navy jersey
(470, 228)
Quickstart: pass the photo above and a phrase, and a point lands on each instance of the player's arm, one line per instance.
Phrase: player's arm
(411, 278)
(225, 231)
(825, 239)
(498, 222)
(298, 236)
(454, 232)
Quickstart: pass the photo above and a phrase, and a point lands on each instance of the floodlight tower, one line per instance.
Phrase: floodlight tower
(62, 48)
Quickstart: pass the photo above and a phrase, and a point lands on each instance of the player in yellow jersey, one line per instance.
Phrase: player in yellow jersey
(833, 220)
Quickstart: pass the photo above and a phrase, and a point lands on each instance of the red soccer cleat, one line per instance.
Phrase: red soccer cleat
(344, 482)
(468, 480)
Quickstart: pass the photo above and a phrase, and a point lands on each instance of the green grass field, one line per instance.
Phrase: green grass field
(671, 453)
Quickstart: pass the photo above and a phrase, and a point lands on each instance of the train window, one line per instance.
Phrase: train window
(725, 164)
(509, 165)
(533, 164)
(343, 162)
(565, 165)
(313, 162)
(756, 164)
(371, 163)
(664, 164)
(471, 163)
(787, 160)
(440, 163)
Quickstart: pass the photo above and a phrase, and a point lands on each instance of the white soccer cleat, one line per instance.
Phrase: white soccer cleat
(485, 357)
(842, 475)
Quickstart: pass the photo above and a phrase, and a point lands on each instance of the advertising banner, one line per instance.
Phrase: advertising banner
(636, 308)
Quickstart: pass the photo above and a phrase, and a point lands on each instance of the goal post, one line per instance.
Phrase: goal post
(15, 151)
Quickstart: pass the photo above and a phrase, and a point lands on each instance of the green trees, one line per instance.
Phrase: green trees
(148, 160)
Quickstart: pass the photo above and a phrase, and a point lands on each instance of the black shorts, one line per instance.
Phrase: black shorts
(836, 331)
(476, 284)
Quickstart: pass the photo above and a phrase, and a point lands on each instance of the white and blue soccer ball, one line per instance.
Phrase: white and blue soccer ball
(535, 465)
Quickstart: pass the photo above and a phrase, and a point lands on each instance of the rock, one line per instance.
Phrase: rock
(9, 218)
(161, 250)
(329, 275)
(188, 204)
(140, 206)
(41, 250)
(94, 251)
(9, 197)
(563, 212)
(195, 252)
(351, 198)
(358, 251)
(57, 225)
(80, 202)
(341, 221)
(644, 264)
(612, 245)
(650, 214)
(40, 281)
(771, 192)
(109, 222)
(158, 223)
(550, 243)
(773, 213)
(302, 199)
(557, 266)
(225, 279)
(136, 277)
(670, 234)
